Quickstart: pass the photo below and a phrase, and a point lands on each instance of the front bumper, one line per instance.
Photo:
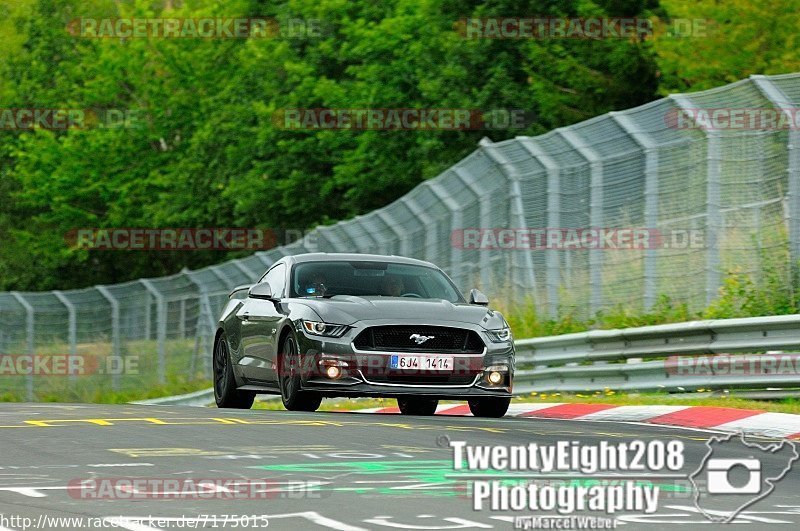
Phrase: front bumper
(367, 373)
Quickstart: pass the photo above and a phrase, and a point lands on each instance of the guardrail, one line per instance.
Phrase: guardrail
(197, 399)
(709, 355)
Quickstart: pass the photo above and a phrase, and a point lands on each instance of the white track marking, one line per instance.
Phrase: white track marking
(770, 424)
(633, 413)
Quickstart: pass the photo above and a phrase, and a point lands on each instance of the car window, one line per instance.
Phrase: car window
(276, 278)
(371, 279)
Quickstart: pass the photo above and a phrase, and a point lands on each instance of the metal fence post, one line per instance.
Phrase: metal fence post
(161, 328)
(516, 213)
(182, 318)
(72, 325)
(456, 220)
(311, 241)
(249, 273)
(30, 315)
(552, 258)
(427, 223)
(147, 316)
(780, 100)
(715, 225)
(713, 199)
(345, 239)
(390, 222)
(332, 238)
(116, 340)
(649, 147)
(484, 212)
(223, 278)
(595, 214)
(205, 320)
(348, 229)
(266, 260)
(794, 195)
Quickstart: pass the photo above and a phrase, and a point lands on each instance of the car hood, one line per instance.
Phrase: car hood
(347, 309)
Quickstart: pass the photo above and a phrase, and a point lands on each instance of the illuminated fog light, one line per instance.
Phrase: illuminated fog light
(333, 372)
(494, 378)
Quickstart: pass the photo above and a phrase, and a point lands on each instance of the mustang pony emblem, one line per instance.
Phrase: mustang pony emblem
(418, 339)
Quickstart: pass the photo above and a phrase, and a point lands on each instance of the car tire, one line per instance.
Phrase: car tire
(289, 379)
(225, 393)
(417, 406)
(489, 407)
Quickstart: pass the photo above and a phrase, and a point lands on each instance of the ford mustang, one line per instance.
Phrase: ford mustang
(354, 325)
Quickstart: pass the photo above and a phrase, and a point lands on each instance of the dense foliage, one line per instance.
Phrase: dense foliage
(204, 150)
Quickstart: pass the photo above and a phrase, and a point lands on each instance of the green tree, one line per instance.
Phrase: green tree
(735, 39)
(206, 150)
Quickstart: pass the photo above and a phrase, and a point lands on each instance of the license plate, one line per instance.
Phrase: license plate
(424, 363)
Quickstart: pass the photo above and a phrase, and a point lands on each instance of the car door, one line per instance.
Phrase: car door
(260, 319)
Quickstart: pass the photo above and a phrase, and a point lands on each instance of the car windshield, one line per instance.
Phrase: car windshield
(364, 279)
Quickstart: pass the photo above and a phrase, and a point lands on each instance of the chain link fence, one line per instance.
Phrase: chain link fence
(707, 200)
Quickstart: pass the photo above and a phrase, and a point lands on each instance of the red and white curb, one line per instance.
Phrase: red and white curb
(749, 421)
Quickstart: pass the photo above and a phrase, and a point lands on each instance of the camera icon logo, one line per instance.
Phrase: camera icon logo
(718, 476)
(736, 473)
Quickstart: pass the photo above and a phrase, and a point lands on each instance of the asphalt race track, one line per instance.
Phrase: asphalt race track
(346, 471)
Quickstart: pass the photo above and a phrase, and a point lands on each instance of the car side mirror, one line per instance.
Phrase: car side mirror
(239, 291)
(261, 291)
(477, 297)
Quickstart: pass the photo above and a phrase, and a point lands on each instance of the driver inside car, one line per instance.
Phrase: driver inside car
(315, 285)
(392, 286)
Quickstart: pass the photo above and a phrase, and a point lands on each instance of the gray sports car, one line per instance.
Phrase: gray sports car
(348, 325)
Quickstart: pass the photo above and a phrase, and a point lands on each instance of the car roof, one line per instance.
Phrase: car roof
(357, 257)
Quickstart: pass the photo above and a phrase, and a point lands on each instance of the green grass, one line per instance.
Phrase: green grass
(142, 382)
(774, 291)
(333, 404)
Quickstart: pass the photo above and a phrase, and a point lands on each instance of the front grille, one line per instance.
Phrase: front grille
(422, 379)
(398, 339)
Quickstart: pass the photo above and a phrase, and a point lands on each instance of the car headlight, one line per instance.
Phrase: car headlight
(317, 328)
(499, 336)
